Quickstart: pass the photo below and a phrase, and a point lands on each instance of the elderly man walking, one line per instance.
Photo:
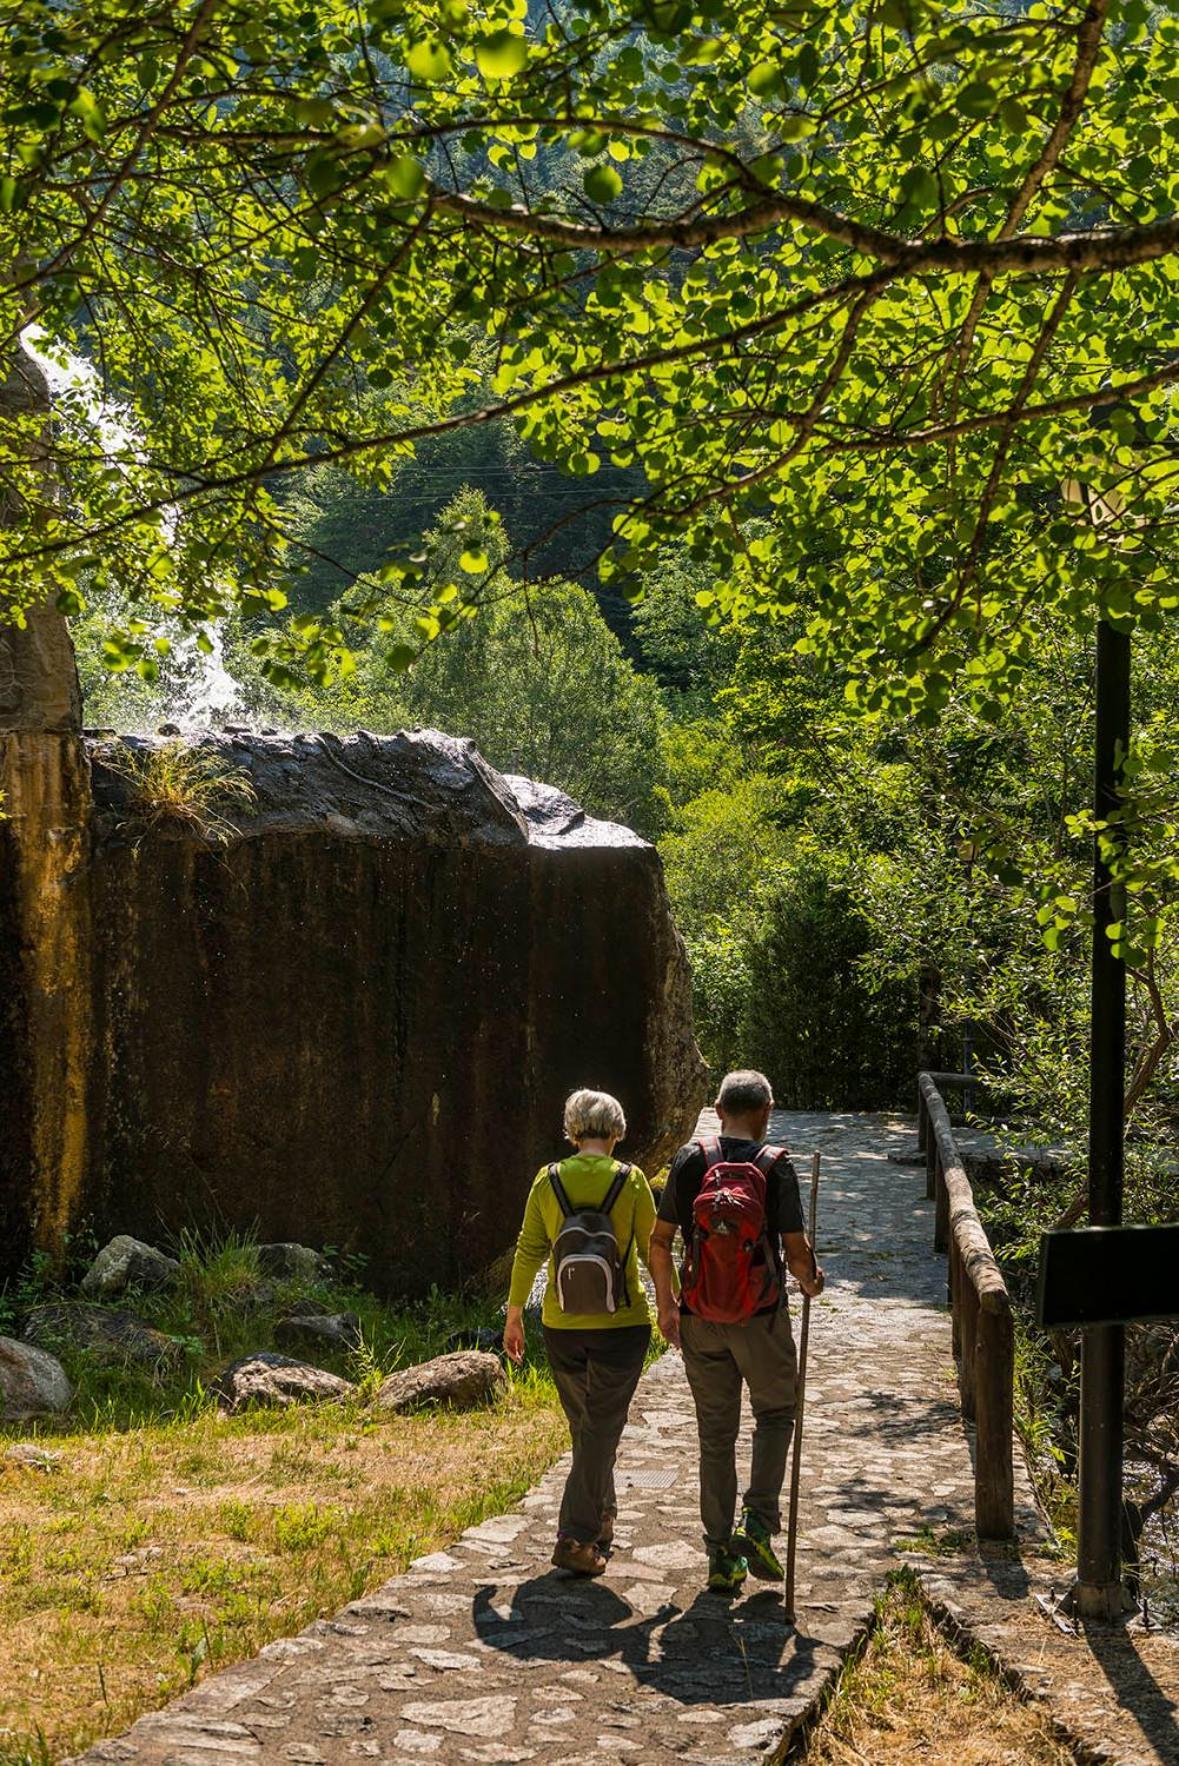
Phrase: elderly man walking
(736, 1202)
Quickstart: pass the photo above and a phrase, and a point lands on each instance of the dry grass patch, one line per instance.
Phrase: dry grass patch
(150, 1556)
(908, 1697)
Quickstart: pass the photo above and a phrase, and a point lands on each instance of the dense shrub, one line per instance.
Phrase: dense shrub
(829, 1035)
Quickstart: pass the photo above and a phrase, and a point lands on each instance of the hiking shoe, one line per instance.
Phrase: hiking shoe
(605, 1537)
(726, 1571)
(754, 1538)
(580, 1556)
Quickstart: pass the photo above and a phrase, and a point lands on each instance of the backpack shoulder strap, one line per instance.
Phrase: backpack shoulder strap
(710, 1146)
(559, 1191)
(765, 1159)
(617, 1185)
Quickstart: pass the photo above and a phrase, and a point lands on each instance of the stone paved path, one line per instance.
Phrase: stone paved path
(483, 1653)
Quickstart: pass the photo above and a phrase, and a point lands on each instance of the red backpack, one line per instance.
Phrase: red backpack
(731, 1270)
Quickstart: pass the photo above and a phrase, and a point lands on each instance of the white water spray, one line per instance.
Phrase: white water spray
(196, 691)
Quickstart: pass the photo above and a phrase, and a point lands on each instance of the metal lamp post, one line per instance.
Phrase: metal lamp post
(1098, 1592)
(1104, 1276)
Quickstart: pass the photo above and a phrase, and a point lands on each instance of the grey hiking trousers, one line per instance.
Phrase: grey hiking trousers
(595, 1373)
(719, 1359)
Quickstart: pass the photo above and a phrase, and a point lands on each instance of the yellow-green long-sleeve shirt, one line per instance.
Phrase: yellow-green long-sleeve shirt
(585, 1178)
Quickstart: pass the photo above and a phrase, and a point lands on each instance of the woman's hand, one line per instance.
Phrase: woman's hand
(514, 1335)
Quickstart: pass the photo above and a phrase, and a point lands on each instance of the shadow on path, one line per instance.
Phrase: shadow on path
(1135, 1687)
(715, 1652)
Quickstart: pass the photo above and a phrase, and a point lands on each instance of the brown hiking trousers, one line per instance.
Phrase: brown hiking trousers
(719, 1359)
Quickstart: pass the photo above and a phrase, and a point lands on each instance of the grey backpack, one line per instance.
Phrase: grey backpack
(590, 1269)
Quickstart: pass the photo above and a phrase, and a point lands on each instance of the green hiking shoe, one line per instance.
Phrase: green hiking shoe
(754, 1538)
(726, 1571)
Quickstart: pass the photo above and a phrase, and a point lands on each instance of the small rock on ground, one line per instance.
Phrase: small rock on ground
(288, 1263)
(128, 1263)
(326, 1330)
(275, 1380)
(32, 1382)
(477, 1337)
(28, 1453)
(462, 1380)
(104, 1332)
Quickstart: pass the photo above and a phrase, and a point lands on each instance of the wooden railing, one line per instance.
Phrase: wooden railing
(983, 1328)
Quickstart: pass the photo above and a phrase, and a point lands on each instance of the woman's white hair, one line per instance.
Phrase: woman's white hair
(593, 1115)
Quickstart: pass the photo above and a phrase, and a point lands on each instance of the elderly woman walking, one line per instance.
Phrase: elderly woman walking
(591, 1216)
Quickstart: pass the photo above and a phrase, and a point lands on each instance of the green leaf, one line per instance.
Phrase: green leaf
(474, 563)
(602, 184)
(405, 177)
(975, 99)
(428, 61)
(765, 78)
(501, 55)
(920, 188)
(93, 117)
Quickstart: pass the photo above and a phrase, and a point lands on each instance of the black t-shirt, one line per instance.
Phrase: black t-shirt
(783, 1202)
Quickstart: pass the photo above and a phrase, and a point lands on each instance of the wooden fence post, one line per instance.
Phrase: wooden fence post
(994, 1380)
(968, 1324)
(955, 1289)
(941, 1216)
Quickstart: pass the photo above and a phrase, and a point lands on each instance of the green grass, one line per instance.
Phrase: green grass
(173, 1539)
(222, 1307)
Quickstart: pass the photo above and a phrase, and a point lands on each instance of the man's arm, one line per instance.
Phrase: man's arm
(662, 1269)
(800, 1261)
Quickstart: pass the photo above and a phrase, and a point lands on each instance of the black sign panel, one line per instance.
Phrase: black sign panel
(1108, 1275)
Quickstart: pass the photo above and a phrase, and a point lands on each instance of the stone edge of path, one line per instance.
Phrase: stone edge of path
(1050, 1668)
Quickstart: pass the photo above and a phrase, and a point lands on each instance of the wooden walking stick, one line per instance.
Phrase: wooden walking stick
(800, 1398)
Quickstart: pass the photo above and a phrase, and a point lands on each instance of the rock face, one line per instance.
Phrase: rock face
(32, 1383)
(104, 1332)
(274, 1381)
(45, 983)
(128, 1263)
(353, 1025)
(460, 1381)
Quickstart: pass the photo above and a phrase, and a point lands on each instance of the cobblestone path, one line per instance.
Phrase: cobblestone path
(483, 1653)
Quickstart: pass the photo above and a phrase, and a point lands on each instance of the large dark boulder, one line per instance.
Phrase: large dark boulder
(353, 1024)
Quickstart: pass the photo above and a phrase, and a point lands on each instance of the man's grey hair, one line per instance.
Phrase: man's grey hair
(593, 1115)
(744, 1092)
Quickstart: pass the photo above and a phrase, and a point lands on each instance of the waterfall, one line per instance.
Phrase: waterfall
(196, 690)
